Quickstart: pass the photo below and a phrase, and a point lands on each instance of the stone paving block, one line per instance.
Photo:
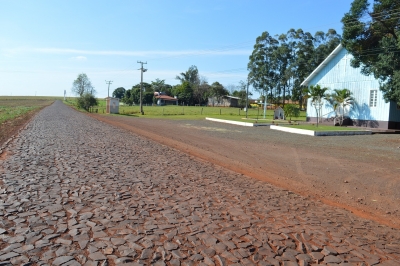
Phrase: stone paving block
(79, 203)
(62, 259)
(97, 256)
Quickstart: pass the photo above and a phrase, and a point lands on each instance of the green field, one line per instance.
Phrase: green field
(196, 112)
(12, 107)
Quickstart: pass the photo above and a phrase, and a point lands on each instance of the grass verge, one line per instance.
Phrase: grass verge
(197, 112)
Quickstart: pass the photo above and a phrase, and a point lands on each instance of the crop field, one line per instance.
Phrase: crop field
(16, 110)
(12, 107)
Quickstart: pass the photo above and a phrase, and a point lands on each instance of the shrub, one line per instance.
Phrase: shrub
(86, 101)
(291, 110)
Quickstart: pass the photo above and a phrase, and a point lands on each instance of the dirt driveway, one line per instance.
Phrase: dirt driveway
(358, 173)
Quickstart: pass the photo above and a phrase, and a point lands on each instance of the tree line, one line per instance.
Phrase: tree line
(192, 90)
(278, 64)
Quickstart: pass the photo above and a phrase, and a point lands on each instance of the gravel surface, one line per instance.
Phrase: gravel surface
(77, 191)
(358, 173)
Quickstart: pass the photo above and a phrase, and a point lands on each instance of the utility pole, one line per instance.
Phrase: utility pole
(265, 102)
(247, 97)
(108, 82)
(141, 84)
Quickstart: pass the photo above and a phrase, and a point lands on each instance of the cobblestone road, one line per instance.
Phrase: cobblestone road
(76, 191)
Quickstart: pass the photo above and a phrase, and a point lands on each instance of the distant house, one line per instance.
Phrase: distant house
(163, 99)
(369, 109)
(225, 101)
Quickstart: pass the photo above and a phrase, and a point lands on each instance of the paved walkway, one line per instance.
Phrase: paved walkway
(79, 192)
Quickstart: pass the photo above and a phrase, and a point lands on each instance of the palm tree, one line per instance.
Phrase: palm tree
(317, 94)
(191, 76)
(341, 99)
(158, 85)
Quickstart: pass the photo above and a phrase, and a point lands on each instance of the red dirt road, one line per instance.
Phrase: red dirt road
(358, 173)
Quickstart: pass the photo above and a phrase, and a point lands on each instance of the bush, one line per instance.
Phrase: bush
(291, 110)
(86, 101)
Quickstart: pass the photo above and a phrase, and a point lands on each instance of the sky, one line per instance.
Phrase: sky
(45, 45)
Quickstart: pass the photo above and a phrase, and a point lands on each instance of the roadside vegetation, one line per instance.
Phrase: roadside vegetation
(196, 112)
(82, 87)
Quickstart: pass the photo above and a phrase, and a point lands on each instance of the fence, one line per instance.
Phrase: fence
(173, 110)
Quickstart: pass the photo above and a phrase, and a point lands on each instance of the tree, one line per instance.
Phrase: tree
(119, 93)
(82, 85)
(262, 74)
(340, 100)
(128, 99)
(184, 93)
(372, 37)
(86, 101)
(135, 94)
(317, 95)
(158, 85)
(278, 65)
(132, 96)
(146, 87)
(309, 52)
(218, 90)
(201, 91)
(191, 76)
(148, 97)
(241, 93)
(231, 88)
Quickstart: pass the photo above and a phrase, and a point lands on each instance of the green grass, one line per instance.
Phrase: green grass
(196, 112)
(322, 127)
(12, 107)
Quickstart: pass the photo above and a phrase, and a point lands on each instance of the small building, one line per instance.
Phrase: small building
(112, 105)
(163, 99)
(225, 101)
(279, 113)
(369, 108)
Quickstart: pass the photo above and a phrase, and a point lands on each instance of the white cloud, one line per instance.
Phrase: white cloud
(158, 54)
(79, 58)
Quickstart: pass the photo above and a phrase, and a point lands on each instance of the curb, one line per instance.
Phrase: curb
(245, 124)
(321, 133)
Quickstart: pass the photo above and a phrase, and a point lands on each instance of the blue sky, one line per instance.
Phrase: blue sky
(44, 45)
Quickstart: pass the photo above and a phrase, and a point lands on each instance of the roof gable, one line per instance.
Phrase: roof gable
(324, 63)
